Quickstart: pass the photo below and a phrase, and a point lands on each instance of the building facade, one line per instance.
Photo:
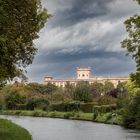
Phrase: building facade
(84, 74)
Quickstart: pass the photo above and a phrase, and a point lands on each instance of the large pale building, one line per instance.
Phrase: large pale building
(84, 74)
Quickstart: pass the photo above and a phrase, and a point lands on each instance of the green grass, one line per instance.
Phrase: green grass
(108, 118)
(11, 131)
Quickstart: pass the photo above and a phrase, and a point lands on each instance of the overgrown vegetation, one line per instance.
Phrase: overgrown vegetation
(49, 97)
(104, 102)
(83, 101)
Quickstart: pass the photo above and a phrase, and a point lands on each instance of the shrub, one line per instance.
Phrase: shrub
(72, 106)
(21, 106)
(131, 115)
(104, 109)
(14, 98)
(68, 115)
(104, 100)
(53, 114)
(57, 107)
(17, 112)
(36, 113)
(86, 107)
(38, 103)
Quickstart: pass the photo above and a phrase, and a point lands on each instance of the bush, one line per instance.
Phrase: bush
(73, 106)
(0, 107)
(37, 103)
(13, 99)
(105, 100)
(86, 107)
(131, 114)
(104, 109)
(53, 114)
(20, 106)
(36, 113)
(68, 115)
(57, 107)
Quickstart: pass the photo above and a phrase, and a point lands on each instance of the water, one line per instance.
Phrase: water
(59, 129)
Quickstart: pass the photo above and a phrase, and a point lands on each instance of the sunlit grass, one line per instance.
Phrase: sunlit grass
(11, 131)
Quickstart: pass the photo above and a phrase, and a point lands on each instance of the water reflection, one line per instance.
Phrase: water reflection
(59, 129)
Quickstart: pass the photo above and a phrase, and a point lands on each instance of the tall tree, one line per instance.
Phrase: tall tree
(96, 89)
(132, 43)
(108, 86)
(20, 22)
(82, 91)
(131, 108)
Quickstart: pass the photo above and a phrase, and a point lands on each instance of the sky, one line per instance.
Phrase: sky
(83, 33)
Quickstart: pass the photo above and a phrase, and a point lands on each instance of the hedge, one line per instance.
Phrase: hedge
(104, 108)
(73, 106)
(84, 107)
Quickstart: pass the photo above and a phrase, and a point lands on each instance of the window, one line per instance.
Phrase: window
(83, 75)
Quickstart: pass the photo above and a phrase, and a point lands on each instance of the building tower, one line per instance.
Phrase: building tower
(83, 73)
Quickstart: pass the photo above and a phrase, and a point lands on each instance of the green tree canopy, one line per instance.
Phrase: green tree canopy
(20, 22)
(132, 43)
(96, 89)
(108, 86)
(131, 102)
(82, 91)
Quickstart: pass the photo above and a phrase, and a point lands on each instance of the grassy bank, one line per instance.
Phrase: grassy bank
(109, 118)
(11, 131)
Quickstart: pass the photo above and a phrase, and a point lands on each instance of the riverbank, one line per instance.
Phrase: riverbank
(108, 118)
(11, 131)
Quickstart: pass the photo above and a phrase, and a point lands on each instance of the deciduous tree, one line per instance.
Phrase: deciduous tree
(20, 22)
(132, 44)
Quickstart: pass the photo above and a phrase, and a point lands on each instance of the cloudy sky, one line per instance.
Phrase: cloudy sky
(83, 33)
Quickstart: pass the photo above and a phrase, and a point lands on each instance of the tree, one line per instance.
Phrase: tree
(37, 102)
(20, 22)
(108, 86)
(131, 113)
(132, 44)
(69, 88)
(41, 89)
(14, 98)
(131, 108)
(82, 91)
(96, 89)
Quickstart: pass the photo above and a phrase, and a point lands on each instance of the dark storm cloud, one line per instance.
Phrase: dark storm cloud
(57, 55)
(83, 33)
(63, 65)
(80, 10)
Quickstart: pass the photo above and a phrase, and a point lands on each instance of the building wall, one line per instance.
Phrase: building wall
(84, 74)
(63, 83)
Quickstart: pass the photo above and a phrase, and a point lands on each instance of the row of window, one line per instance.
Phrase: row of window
(83, 75)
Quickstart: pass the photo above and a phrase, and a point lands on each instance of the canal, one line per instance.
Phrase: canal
(60, 129)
